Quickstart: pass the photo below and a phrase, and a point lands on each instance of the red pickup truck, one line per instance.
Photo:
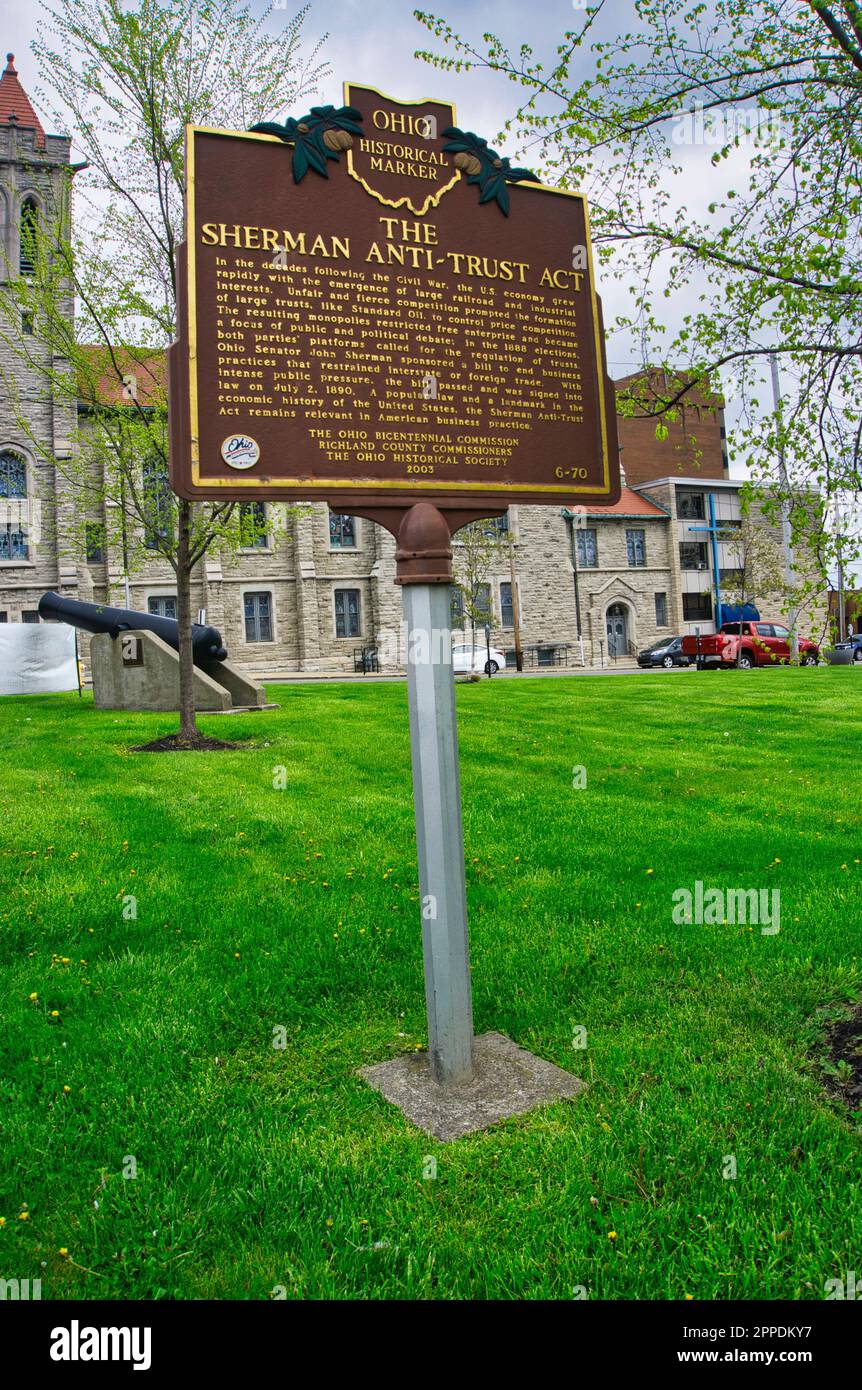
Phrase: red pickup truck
(748, 644)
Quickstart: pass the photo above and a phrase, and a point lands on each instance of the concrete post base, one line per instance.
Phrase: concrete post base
(507, 1080)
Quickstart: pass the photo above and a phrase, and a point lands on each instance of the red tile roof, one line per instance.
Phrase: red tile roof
(630, 504)
(98, 378)
(15, 105)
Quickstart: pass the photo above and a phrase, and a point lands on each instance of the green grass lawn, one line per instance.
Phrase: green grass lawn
(261, 909)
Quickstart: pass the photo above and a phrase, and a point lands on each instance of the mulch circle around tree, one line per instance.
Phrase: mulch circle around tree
(173, 743)
(843, 1077)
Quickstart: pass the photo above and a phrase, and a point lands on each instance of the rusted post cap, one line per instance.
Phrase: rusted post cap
(424, 547)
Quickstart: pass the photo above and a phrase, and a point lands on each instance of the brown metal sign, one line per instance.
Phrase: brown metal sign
(421, 323)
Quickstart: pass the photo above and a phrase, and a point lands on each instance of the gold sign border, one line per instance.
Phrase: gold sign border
(433, 199)
(364, 484)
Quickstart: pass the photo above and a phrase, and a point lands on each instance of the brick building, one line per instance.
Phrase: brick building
(696, 442)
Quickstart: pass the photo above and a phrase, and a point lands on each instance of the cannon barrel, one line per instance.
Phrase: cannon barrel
(98, 617)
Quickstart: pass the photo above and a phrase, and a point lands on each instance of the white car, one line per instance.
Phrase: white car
(466, 657)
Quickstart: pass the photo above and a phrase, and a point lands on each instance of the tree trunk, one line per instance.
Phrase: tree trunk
(188, 723)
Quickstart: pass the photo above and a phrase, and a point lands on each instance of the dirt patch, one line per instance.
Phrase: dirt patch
(173, 743)
(841, 1067)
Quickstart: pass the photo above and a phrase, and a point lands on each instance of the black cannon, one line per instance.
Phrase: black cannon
(97, 617)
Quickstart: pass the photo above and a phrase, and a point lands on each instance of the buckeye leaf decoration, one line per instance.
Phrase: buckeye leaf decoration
(483, 166)
(323, 134)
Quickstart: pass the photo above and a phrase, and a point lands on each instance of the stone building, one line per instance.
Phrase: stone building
(34, 174)
(593, 585)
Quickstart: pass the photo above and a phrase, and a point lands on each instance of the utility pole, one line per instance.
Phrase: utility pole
(127, 598)
(570, 519)
(786, 532)
(516, 605)
(842, 616)
(840, 516)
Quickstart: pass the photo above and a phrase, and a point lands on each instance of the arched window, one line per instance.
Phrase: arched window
(29, 225)
(4, 226)
(158, 505)
(13, 506)
(13, 475)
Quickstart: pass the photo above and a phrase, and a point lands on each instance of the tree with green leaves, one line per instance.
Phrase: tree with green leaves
(760, 100)
(129, 78)
(477, 548)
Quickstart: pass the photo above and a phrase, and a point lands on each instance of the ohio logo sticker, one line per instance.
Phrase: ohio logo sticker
(240, 451)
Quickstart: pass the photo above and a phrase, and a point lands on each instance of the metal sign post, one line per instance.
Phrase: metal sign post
(439, 835)
(424, 571)
(464, 1082)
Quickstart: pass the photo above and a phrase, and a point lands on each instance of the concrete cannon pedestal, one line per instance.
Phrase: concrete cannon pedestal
(138, 671)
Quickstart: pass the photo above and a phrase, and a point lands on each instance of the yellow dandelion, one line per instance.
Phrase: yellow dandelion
(612, 1235)
(33, 997)
(63, 1252)
(67, 1090)
(55, 1013)
(650, 871)
(2, 1222)
(23, 1216)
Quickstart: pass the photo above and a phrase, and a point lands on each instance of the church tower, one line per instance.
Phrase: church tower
(36, 425)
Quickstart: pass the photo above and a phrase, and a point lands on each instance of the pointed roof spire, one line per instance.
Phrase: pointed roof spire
(15, 108)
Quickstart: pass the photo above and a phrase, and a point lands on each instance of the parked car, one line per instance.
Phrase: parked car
(667, 652)
(855, 645)
(466, 657)
(748, 644)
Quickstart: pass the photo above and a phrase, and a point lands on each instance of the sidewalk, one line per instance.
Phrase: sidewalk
(307, 677)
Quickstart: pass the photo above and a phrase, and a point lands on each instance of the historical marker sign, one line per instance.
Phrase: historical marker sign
(422, 323)
(378, 311)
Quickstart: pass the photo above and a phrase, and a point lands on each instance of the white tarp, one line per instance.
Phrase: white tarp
(36, 658)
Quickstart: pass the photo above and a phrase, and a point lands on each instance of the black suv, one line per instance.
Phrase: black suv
(667, 652)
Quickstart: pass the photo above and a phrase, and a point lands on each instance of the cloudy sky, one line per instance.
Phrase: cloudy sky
(374, 41)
